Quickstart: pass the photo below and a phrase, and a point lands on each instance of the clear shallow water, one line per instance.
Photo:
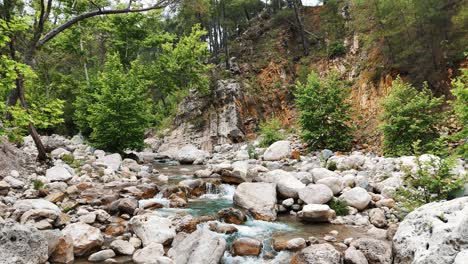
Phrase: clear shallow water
(218, 197)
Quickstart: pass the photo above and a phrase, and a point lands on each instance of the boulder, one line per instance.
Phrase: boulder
(257, 197)
(63, 252)
(149, 254)
(21, 244)
(101, 255)
(296, 244)
(354, 256)
(434, 233)
(322, 173)
(232, 216)
(152, 228)
(189, 153)
(14, 182)
(201, 246)
(58, 173)
(377, 217)
(85, 237)
(112, 161)
(246, 246)
(357, 197)
(278, 150)
(376, 251)
(122, 247)
(286, 184)
(334, 183)
(35, 208)
(317, 254)
(316, 213)
(127, 205)
(462, 256)
(316, 194)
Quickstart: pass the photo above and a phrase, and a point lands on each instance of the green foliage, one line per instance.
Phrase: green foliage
(38, 185)
(331, 165)
(340, 206)
(336, 49)
(270, 131)
(324, 112)
(252, 152)
(460, 107)
(120, 113)
(408, 116)
(432, 180)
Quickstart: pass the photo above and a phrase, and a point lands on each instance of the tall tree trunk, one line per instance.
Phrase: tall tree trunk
(225, 34)
(301, 27)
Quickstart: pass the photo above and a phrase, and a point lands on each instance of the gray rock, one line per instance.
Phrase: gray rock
(377, 217)
(317, 254)
(376, 251)
(334, 183)
(189, 153)
(112, 161)
(354, 256)
(152, 228)
(316, 213)
(202, 246)
(14, 183)
(322, 173)
(286, 184)
(357, 197)
(278, 150)
(122, 247)
(21, 244)
(257, 197)
(149, 254)
(58, 173)
(316, 194)
(101, 255)
(85, 237)
(434, 233)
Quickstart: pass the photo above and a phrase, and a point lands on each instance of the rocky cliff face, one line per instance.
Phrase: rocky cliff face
(209, 120)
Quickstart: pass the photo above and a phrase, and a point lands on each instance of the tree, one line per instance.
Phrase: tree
(460, 107)
(324, 113)
(41, 32)
(121, 111)
(408, 116)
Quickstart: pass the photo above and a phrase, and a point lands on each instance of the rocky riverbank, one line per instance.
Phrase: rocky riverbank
(237, 205)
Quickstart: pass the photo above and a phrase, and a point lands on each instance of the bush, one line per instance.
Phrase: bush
(38, 185)
(121, 112)
(431, 181)
(324, 112)
(409, 115)
(252, 152)
(336, 49)
(460, 107)
(270, 130)
(340, 206)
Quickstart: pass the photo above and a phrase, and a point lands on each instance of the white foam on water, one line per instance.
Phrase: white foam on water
(161, 200)
(223, 191)
(282, 257)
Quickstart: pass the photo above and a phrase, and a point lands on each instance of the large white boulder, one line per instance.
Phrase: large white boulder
(189, 153)
(152, 228)
(278, 150)
(334, 183)
(201, 246)
(58, 173)
(322, 173)
(111, 161)
(316, 194)
(85, 237)
(316, 213)
(257, 197)
(357, 197)
(434, 233)
(287, 184)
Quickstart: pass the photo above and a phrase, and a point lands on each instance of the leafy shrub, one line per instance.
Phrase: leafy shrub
(409, 115)
(121, 112)
(431, 181)
(340, 206)
(68, 159)
(324, 112)
(331, 165)
(460, 107)
(270, 130)
(252, 152)
(336, 49)
(38, 185)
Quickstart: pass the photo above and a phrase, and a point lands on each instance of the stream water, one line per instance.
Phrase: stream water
(285, 228)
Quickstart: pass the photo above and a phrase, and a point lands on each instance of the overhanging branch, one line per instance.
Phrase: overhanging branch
(52, 33)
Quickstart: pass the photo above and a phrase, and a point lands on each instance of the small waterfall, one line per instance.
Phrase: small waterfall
(222, 191)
